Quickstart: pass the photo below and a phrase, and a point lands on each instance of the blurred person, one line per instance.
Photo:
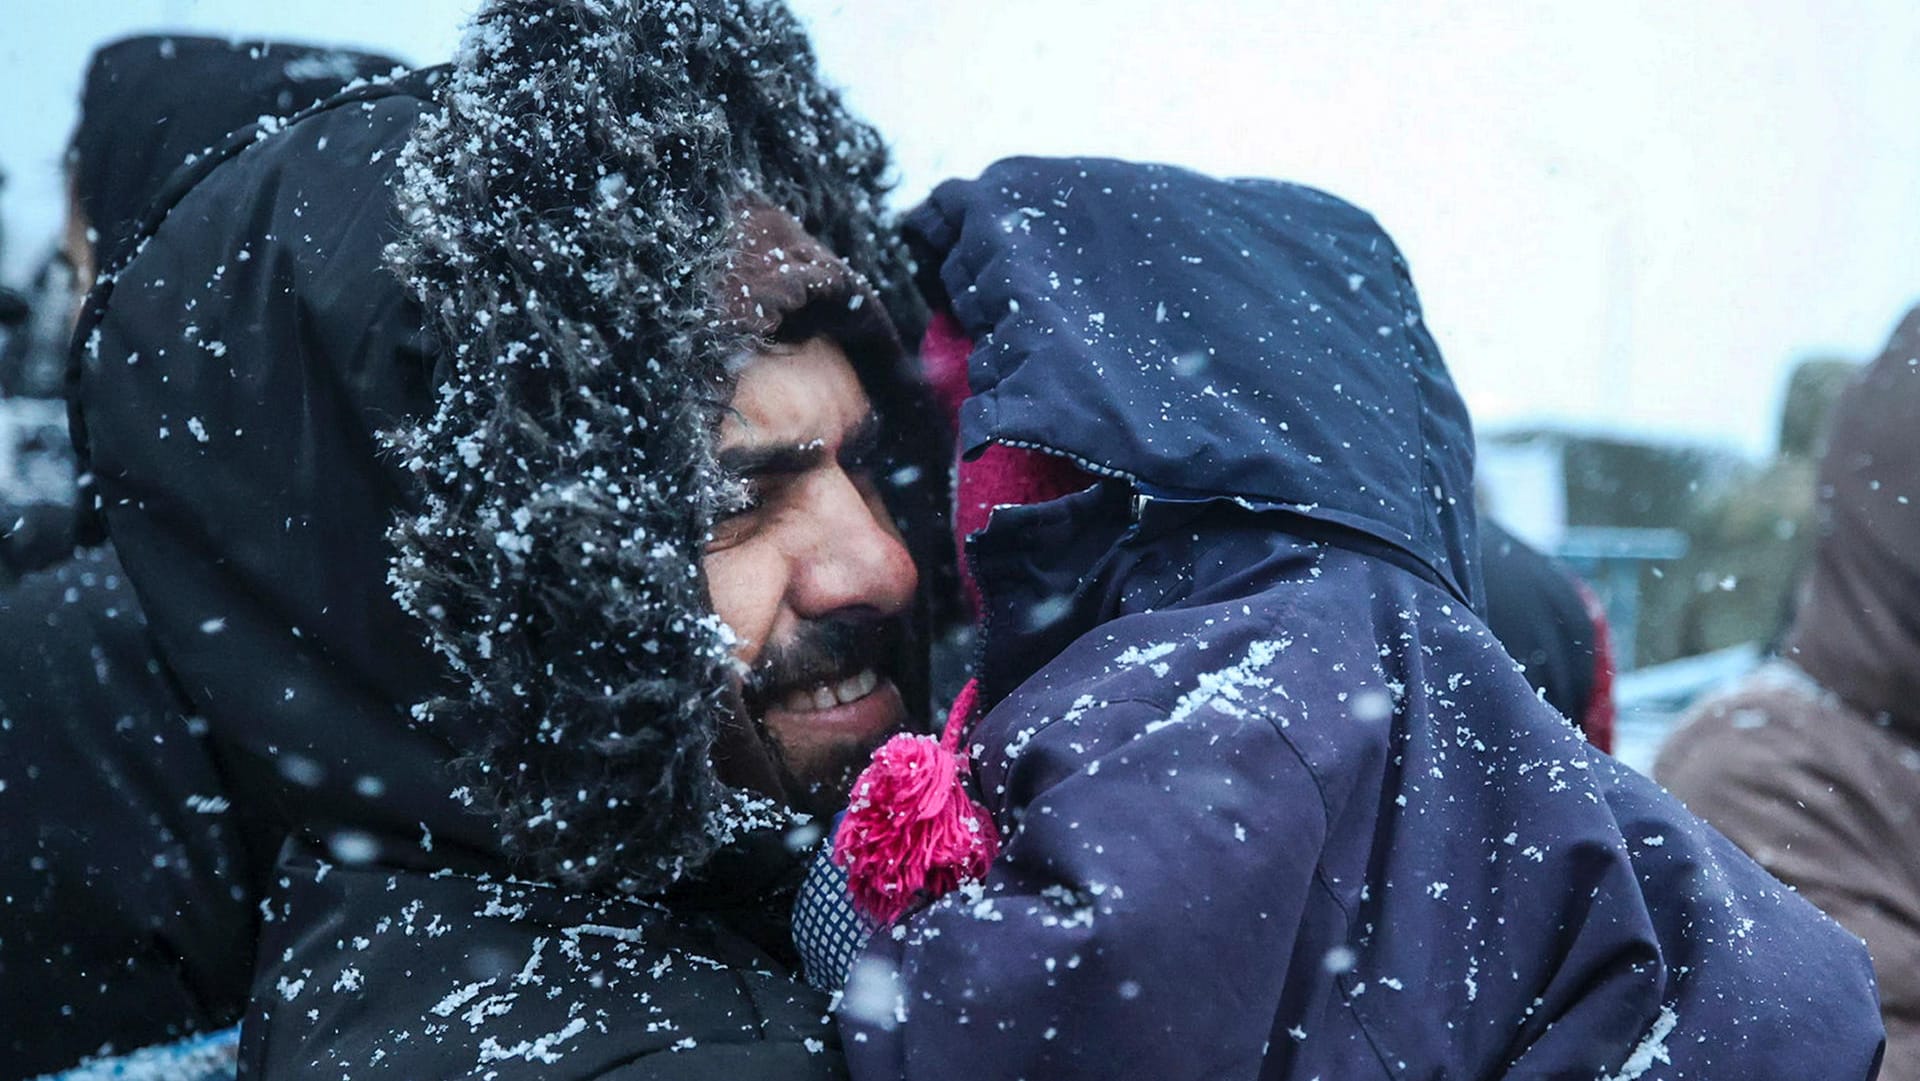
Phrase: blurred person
(122, 913)
(150, 104)
(1753, 544)
(1749, 533)
(33, 362)
(1552, 624)
(36, 470)
(130, 886)
(1812, 762)
(1244, 786)
(39, 522)
(14, 309)
(506, 459)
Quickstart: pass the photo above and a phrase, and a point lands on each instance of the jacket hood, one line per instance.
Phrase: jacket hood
(464, 382)
(1241, 340)
(1858, 627)
(154, 102)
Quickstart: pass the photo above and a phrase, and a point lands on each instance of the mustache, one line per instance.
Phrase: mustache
(822, 651)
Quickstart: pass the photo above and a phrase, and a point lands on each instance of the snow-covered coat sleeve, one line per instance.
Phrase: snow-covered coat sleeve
(1154, 886)
(367, 973)
(1263, 876)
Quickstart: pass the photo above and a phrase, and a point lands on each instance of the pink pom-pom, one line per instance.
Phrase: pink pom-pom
(912, 832)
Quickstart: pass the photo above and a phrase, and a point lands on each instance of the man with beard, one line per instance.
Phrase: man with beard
(816, 605)
(595, 406)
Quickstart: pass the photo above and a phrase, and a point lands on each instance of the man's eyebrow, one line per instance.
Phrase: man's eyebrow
(861, 441)
(785, 459)
(772, 459)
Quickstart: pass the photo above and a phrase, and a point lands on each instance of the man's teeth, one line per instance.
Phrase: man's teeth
(850, 689)
(860, 686)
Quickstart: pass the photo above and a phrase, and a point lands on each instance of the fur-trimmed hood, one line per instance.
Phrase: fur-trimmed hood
(590, 155)
(476, 347)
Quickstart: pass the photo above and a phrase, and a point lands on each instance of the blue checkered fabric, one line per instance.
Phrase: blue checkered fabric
(826, 930)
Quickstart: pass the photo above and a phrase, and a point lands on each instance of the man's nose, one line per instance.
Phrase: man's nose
(854, 562)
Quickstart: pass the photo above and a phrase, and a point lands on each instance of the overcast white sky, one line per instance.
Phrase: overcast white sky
(1630, 215)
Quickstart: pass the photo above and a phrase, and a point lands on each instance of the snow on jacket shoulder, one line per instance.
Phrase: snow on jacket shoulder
(1274, 801)
(376, 974)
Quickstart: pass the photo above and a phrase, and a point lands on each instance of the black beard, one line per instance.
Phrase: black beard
(825, 793)
(820, 652)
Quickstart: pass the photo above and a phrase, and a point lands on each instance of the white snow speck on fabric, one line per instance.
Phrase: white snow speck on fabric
(872, 995)
(1650, 1050)
(1138, 655)
(460, 997)
(1222, 689)
(623, 934)
(539, 1050)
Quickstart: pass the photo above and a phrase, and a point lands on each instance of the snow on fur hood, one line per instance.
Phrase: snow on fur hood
(521, 366)
(566, 222)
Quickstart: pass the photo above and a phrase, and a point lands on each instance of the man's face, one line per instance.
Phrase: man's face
(810, 574)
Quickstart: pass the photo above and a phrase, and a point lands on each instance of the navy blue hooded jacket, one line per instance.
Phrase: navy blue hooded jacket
(1274, 802)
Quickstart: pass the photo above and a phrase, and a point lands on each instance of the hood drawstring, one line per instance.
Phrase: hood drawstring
(912, 832)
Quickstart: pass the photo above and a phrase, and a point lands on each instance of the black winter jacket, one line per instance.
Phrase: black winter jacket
(126, 877)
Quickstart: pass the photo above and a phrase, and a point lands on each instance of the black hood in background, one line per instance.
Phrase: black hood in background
(153, 102)
(477, 302)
